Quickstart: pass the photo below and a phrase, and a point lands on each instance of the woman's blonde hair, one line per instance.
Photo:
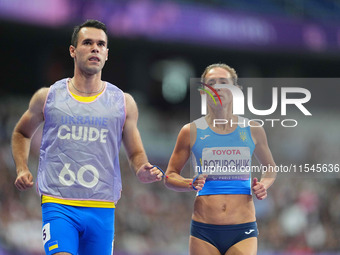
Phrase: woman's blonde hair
(231, 70)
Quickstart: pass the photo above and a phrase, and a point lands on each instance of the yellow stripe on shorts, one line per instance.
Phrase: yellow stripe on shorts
(53, 245)
(82, 203)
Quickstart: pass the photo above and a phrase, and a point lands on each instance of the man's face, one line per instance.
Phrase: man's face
(91, 51)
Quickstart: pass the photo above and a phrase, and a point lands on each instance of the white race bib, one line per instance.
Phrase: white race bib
(225, 163)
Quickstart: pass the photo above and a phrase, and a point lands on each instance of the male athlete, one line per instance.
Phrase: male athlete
(85, 120)
(223, 221)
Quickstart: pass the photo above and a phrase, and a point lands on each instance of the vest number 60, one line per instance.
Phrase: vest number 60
(80, 176)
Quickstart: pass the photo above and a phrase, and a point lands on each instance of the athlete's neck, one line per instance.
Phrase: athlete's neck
(84, 85)
(225, 117)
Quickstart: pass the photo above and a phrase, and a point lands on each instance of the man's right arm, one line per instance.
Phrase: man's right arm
(21, 138)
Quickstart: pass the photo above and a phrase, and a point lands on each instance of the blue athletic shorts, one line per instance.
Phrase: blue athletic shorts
(223, 236)
(77, 230)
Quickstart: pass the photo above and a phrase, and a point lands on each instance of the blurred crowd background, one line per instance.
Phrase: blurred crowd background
(155, 48)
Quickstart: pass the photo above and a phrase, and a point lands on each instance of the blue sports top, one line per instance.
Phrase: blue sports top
(225, 158)
(79, 153)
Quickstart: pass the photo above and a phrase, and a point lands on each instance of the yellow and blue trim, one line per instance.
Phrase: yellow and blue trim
(82, 203)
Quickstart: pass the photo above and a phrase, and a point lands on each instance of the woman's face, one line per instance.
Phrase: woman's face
(215, 77)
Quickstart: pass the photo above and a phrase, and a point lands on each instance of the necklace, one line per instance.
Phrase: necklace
(93, 92)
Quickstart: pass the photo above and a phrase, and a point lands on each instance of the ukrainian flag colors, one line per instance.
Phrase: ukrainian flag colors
(53, 245)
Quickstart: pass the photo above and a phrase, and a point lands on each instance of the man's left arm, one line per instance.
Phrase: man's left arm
(132, 141)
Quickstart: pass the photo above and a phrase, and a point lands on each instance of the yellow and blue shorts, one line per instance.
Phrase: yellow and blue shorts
(77, 230)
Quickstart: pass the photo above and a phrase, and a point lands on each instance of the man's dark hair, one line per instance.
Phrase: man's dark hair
(87, 23)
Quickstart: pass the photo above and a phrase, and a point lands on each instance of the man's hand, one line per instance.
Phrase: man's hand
(147, 173)
(259, 189)
(24, 180)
